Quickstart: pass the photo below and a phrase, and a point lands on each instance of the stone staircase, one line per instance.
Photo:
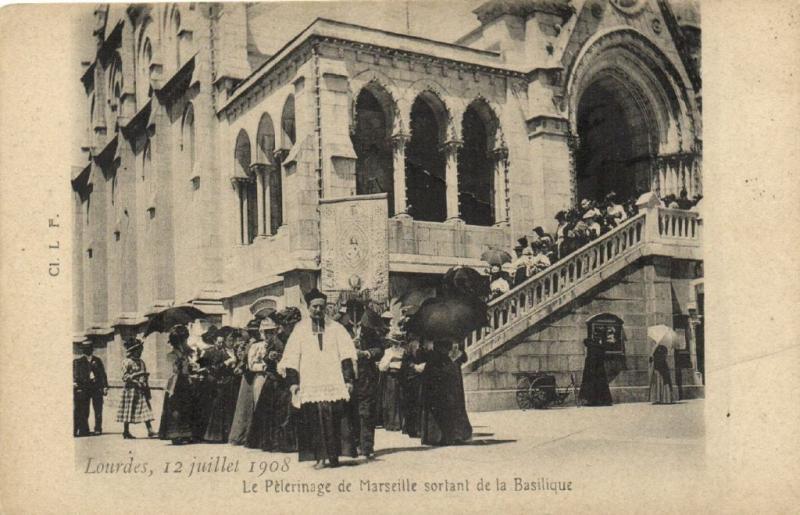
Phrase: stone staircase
(654, 231)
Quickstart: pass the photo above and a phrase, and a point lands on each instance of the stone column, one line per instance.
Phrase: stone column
(238, 184)
(259, 171)
(501, 190)
(399, 142)
(450, 149)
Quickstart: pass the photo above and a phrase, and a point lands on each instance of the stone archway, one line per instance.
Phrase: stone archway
(616, 135)
(630, 108)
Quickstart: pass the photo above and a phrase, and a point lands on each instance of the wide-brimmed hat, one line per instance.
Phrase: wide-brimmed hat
(178, 333)
(267, 325)
(131, 344)
(591, 213)
(315, 294)
(210, 335)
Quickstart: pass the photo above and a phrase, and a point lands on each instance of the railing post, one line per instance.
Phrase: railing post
(649, 204)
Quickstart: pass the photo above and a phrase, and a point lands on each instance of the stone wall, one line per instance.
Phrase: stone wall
(649, 292)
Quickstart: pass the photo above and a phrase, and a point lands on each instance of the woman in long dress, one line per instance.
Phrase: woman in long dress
(135, 405)
(594, 385)
(443, 417)
(271, 428)
(661, 391)
(245, 405)
(391, 365)
(412, 389)
(222, 363)
(178, 413)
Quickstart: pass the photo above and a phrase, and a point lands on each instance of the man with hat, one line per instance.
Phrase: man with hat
(89, 385)
(318, 364)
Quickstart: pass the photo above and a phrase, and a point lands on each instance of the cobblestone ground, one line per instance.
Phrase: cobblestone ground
(620, 450)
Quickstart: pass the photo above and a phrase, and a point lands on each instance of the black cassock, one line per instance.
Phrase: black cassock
(365, 394)
(443, 413)
(325, 429)
(594, 384)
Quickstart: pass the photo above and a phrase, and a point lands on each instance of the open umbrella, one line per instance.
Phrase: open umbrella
(448, 318)
(465, 281)
(409, 302)
(496, 257)
(661, 335)
(163, 321)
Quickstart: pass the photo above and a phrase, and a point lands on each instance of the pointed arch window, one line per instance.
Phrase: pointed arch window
(247, 189)
(371, 142)
(426, 160)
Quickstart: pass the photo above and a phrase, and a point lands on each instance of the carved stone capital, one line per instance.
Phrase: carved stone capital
(451, 146)
(280, 154)
(399, 139)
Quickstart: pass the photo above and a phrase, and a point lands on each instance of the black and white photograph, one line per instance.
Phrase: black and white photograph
(323, 253)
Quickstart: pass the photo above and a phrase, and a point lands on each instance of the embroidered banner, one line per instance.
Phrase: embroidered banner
(355, 247)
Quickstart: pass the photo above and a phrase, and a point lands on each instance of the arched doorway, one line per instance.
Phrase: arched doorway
(476, 185)
(614, 130)
(633, 114)
(425, 159)
(373, 122)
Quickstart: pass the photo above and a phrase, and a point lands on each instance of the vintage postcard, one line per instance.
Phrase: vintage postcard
(382, 256)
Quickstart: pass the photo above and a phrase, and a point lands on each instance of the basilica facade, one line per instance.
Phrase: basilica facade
(362, 161)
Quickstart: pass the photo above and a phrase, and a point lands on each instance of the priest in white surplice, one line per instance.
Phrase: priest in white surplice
(318, 364)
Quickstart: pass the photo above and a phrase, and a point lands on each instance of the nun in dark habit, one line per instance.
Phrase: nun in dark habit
(443, 413)
(594, 385)
(318, 363)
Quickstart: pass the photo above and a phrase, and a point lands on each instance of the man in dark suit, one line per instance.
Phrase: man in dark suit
(89, 384)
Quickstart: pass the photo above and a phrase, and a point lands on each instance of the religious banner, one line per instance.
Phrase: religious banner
(354, 242)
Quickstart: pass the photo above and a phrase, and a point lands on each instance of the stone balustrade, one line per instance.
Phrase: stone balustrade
(653, 231)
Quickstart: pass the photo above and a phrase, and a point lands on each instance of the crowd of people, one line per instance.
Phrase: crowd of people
(318, 385)
(576, 227)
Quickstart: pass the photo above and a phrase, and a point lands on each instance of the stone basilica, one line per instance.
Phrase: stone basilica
(368, 162)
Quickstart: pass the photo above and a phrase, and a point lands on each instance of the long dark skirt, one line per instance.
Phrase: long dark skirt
(324, 431)
(244, 411)
(443, 414)
(222, 411)
(273, 427)
(205, 393)
(178, 412)
(412, 390)
(594, 385)
(392, 402)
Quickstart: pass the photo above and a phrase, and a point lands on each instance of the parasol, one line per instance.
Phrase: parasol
(661, 335)
(163, 321)
(448, 318)
(496, 257)
(465, 281)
